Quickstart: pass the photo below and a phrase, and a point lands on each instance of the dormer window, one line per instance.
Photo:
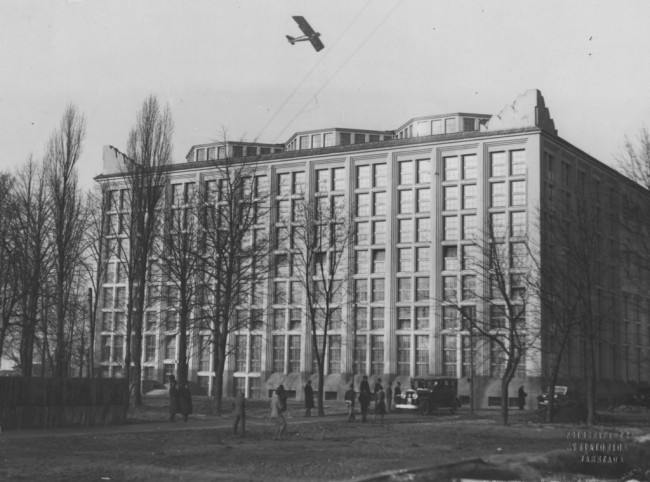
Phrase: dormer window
(212, 153)
(315, 141)
(424, 128)
(469, 124)
(450, 125)
(304, 142)
(328, 139)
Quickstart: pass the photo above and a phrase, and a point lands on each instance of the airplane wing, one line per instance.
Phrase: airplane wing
(318, 45)
(304, 25)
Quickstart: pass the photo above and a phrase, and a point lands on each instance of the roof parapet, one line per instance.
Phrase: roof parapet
(529, 110)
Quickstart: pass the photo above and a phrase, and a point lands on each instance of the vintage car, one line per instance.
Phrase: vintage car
(641, 398)
(560, 398)
(429, 393)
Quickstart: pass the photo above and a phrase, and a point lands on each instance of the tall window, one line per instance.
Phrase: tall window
(404, 318)
(378, 260)
(256, 353)
(406, 172)
(469, 167)
(421, 355)
(363, 177)
(377, 354)
(334, 365)
(451, 168)
(422, 289)
(423, 230)
(204, 353)
(379, 175)
(424, 171)
(403, 355)
(405, 259)
(294, 353)
(361, 354)
(405, 202)
(450, 224)
(421, 318)
(377, 322)
(150, 347)
(240, 353)
(378, 289)
(498, 164)
(404, 289)
(449, 355)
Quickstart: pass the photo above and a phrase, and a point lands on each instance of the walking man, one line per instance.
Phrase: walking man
(389, 397)
(174, 399)
(309, 398)
(521, 397)
(277, 413)
(364, 398)
(240, 413)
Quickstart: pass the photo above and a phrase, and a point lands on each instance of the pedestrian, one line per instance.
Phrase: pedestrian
(397, 393)
(240, 413)
(349, 398)
(364, 398)
(174, 401)
(277, 413)
(521, 398)
(380, 406)
(309, 398)
(282, 395)
(185, 400)
(378, 386)
(389, 397)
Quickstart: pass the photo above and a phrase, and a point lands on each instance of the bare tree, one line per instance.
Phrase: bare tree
(320, 234)
(10, 288)
(180, 265)
(95, 259)
(149, 151)
(235, 250)
(495, 303)
(32, 243)
(68, 222)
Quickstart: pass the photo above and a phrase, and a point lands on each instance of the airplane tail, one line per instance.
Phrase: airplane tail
(290, 39)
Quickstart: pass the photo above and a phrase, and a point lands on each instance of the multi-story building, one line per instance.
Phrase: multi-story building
(418, 197)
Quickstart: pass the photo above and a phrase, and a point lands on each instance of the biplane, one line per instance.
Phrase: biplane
(310, 34)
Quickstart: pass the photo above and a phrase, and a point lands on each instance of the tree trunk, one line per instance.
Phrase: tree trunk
(219, 360)
(505, 384)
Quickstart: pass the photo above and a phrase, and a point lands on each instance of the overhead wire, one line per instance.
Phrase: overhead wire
(347, 60)
(304, 79)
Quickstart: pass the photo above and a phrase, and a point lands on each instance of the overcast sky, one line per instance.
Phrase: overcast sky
(226, 65)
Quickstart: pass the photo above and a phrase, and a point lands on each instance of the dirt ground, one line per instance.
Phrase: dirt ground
(317, 448)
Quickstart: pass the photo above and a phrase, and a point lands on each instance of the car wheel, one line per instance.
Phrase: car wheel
(425, 408)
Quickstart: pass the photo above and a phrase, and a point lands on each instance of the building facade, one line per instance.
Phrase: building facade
(418, 197)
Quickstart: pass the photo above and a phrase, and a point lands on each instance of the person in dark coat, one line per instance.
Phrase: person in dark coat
(349, 398)
(174, 400)
(240, 413)
(380, 406)
(309, 398)
(397, 393)
(378, 386)
(185, 400)
(521, 398)
(389, 397)
(364, 398)
(282, 396)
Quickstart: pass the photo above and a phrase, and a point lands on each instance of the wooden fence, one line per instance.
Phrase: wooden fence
(50, 402)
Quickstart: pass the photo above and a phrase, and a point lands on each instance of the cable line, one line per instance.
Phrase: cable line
(304, 79)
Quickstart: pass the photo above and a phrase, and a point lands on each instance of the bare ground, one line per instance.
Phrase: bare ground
(317, 448)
